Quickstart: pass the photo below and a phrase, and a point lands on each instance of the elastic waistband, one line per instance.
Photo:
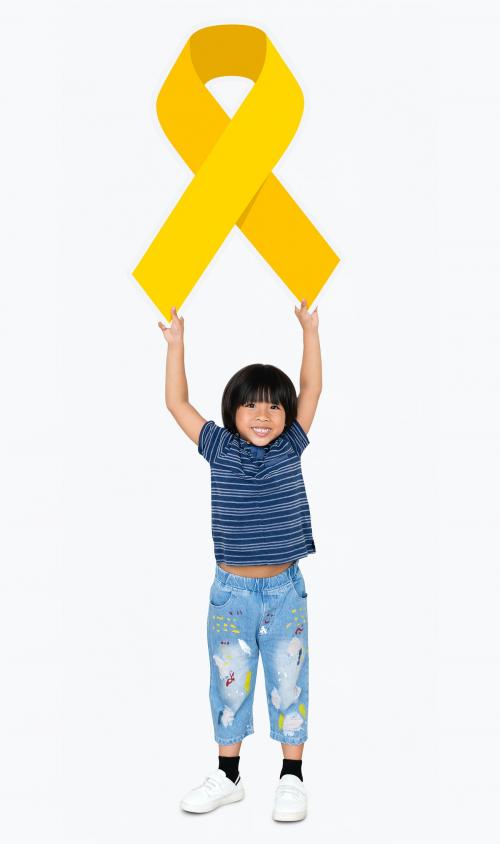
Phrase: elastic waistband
(257, 584)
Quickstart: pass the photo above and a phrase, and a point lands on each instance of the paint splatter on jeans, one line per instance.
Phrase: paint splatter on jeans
(248, 616)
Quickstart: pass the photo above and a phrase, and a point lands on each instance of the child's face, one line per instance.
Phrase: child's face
(261, 415)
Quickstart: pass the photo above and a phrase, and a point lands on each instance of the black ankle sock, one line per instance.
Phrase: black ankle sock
(229, 764)
(292, 766)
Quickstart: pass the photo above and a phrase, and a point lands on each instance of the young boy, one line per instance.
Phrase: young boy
(261, 527)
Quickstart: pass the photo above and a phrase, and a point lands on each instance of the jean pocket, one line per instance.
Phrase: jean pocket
(300, 587)
(219, 595)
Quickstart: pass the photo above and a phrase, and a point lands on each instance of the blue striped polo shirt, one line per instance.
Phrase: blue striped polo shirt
(260, 512)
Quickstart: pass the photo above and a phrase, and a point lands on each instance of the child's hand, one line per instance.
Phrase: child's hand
(175, 334)
(306, 319)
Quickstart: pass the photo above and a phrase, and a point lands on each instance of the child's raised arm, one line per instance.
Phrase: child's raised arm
(311, 369)
(176, 387)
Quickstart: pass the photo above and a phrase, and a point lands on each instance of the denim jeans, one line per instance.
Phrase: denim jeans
(248, 615)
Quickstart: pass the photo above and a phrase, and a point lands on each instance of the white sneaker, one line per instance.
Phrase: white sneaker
(290, 800)
(216, 790)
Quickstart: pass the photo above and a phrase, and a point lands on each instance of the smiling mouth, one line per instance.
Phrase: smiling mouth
(262, 432)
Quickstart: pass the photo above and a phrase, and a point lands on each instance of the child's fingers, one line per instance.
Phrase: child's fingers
(173, 311)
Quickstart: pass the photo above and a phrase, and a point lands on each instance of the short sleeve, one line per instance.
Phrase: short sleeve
(296, 435)
(212, 438)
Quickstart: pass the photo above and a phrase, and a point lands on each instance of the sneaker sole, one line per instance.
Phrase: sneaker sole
(289, 816)
(230, 798)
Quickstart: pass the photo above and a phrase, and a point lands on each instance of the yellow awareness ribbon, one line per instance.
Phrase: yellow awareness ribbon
(232, 159)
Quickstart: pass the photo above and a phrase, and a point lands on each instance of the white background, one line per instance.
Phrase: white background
(107, 555)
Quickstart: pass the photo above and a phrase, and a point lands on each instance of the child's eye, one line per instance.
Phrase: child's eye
(251, 403)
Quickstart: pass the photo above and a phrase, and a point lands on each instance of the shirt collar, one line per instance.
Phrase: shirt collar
(249, 446)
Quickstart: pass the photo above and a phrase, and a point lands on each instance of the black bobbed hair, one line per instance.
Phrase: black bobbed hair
(258, 382)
